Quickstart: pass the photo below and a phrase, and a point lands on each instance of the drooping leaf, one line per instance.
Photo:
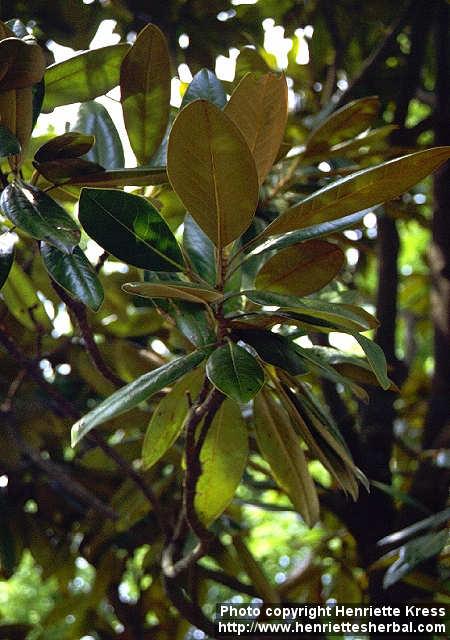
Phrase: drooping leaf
(315, 231)
(39, 215)
(130, 228)
(205, 85)
(199, 249)
(212, 171)
(274, 349)
(180, 290)
(235, 372)
(301, 269)
(376, 359)
(6, 257)
(136, 392)
(138, 176)
(22, 63)
(360, 190)
(223, 458)
(94, 119)
(259, 106)
(352, 119)
(280, 446)
(72, 144)
(75, 274)
(83, 77)
(16, 108)
(347, 316)
(413, 553)
(168, 418)
(9, 145)
(145, 92)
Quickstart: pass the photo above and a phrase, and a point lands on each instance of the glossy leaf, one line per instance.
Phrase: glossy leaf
(75, 274)
(205, 85)
(235, 372)
(94, 119)
(301, 269)
(212, 171)
(134, 393)
(274, 349)
(223, 458)
(436, 520)
(130, 228)
(179, 290)
(138, 176)
(199, 249)
(315, 231)
(83, 77)
(360, 190)
(280, 446)
(376, 359)
(9, 145)
(352, 119)
(6, 256)
(22, 64)
(413, 553)
(168, 418)
(347, 316)
(68, 145)
(39, 215)
(145, 92)
(259, 106)
(193, 323)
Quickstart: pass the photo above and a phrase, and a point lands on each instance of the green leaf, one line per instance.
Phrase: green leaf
(223, 458)
(84, 76)
(413, 553)
(212, 171)
(301, 269)
(360, 190)
(19, 295)
(235, 372)
(6, 256)
(180, 290)
(130, 228)
(280, 446)
(9, 145)
(346, 316)
(259, 107)
(352, 119)
(199, 249)
(39, 215)
(205, 85)
(315, 231)
(94, 119)
(427, 523)
(193, 324)
(145, 92)
(376, 359)
(68, 145)
(168, 418)
(274, 349)
(75, 274)
(134, 393)
(138, 176)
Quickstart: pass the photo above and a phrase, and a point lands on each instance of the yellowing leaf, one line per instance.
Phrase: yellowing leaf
(360, 190)
(20, 297)
(301, 269)
(145, 92)
(223, 458)
(181, 290)
(168, 418)
(258, 106)
(212, 171)
(280, 446)
(343, 124)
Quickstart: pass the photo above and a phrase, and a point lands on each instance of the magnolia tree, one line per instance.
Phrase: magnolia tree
(212, 250)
